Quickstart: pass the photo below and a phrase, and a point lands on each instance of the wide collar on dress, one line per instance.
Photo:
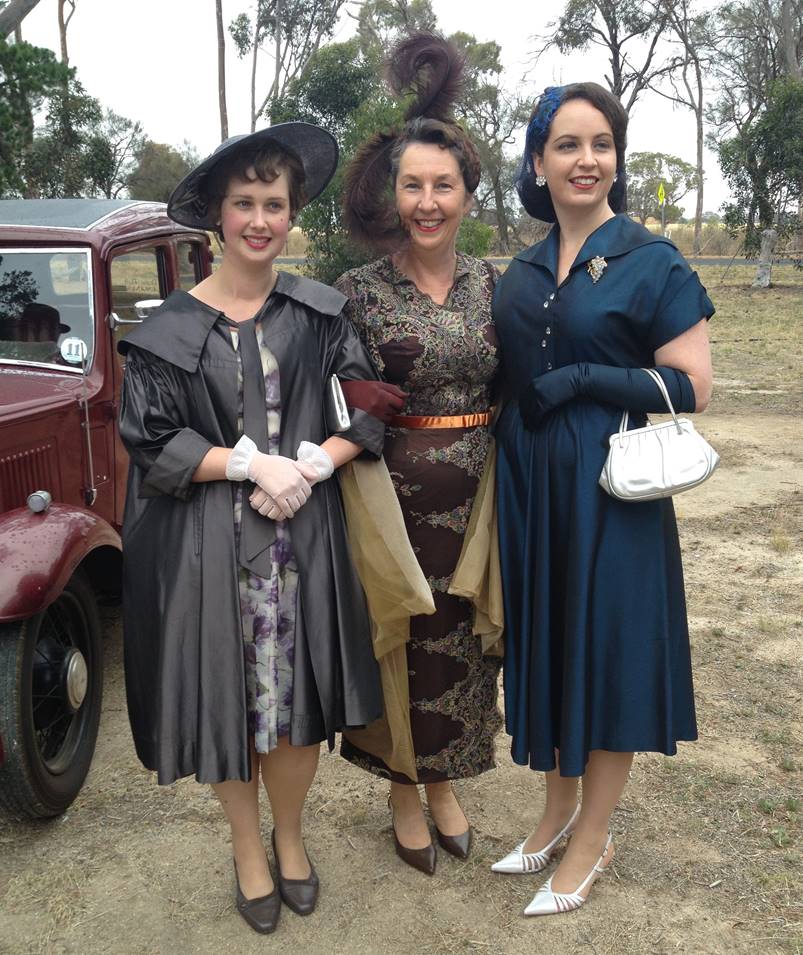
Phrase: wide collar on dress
(616, 236)
(178, 329)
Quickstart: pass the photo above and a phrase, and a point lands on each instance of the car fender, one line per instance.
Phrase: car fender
(39, 554)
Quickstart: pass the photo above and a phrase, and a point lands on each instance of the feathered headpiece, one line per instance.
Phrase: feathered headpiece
(429, 69)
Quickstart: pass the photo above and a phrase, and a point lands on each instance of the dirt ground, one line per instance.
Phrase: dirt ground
(709, 854)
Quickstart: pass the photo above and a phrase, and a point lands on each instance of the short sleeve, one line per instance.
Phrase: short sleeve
(681, 302)
(153, 427)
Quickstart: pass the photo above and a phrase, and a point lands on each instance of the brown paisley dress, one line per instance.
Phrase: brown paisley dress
(446, 358)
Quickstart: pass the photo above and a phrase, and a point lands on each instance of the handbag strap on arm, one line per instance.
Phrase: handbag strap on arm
(664, 393)
(659, 381)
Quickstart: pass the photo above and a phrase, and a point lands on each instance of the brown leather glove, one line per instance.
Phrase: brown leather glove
(377, 398)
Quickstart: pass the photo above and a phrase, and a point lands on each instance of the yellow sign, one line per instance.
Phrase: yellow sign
(661, 195)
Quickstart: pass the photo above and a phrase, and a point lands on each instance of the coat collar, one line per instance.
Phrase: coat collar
(178, 329)
(615, 237)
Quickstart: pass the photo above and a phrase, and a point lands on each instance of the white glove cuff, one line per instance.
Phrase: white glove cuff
(240, 459)
(314, 454)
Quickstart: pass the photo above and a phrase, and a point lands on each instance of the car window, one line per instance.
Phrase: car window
(45, 299)
(189, 268)
(135, 277)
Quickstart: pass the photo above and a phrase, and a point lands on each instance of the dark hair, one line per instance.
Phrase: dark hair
(536, 199)
(431, 68)
(268, 162)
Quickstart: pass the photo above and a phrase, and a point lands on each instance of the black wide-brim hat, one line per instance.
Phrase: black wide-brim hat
(315, 148)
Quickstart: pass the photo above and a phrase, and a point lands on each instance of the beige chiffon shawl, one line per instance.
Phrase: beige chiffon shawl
(396, 589)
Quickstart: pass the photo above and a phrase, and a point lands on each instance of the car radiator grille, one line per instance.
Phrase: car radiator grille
(25, 470)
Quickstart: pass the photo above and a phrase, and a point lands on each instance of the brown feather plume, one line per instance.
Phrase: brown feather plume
(429, 67)
(368, 209)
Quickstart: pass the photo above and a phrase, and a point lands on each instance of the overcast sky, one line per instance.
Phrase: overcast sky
(156, 61)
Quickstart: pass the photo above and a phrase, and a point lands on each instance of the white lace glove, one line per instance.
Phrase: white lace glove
(315, 456)
(313, 462)
(277, 476)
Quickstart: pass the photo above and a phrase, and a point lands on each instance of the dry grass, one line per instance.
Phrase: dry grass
(757, 338)
(709, 843)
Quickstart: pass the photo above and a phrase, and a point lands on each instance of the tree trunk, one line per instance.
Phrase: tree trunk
(792, 65)
(698, 115)
(254, 55)
(13, 15)
(221, 71)
(278, 73)
(501, 218)
(65, 59)
(764, 271)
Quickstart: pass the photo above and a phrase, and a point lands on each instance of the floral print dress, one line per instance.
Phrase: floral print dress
(445, 356)
(267, 604)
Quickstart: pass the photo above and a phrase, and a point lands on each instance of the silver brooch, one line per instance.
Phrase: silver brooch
(596, 267)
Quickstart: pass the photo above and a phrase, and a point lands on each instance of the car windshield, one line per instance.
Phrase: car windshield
(46, 306)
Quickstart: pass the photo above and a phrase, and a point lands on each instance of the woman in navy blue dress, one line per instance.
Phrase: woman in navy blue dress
(597, 661)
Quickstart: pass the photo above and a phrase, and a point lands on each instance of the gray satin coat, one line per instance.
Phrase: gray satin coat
(185, 677)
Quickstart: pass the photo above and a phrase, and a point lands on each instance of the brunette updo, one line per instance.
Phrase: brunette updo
(536, 199)
(430, 68)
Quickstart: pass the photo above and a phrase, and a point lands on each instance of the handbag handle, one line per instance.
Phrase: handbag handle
(659, 381)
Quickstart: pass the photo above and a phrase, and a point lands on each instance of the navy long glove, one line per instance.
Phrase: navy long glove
(626, 388)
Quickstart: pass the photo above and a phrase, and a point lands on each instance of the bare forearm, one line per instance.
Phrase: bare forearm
(340, 450)
(213, 466)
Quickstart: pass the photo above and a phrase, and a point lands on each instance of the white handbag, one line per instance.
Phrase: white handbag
(658, 460)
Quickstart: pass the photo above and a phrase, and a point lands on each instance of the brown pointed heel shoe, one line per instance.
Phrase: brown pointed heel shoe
(424, 859)
(261, 914)
(458, 846)
(300, 895)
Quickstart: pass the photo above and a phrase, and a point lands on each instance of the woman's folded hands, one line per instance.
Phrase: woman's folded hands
(283, 486)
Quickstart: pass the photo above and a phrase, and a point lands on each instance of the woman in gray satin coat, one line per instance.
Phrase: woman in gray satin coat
(247, 640)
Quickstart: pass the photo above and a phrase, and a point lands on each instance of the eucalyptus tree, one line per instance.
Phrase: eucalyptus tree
(629, 31)
(286, 32)
(646, 172)
(689, 34)
(12, 13)
(493, 117)
(753, 41)
(66, 11)
(158, 169)
(221, 71)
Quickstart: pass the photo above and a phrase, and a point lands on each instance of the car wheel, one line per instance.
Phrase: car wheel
(51, 686)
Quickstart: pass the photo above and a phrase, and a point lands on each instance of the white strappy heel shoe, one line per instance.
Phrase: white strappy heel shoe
(519, 862)
(547, 902)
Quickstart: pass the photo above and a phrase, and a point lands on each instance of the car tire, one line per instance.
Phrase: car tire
(51, 688)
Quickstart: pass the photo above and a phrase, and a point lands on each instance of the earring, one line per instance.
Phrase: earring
(540, 181)
(615, 178)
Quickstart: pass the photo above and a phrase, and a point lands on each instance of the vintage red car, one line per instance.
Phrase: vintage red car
(75, 275)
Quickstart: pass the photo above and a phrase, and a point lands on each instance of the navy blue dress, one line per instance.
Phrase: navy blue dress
(596, 637)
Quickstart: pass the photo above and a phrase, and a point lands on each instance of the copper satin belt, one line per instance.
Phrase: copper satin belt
(440, 421)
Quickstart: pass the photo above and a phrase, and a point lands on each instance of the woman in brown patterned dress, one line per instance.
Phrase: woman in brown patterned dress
(424, 315)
